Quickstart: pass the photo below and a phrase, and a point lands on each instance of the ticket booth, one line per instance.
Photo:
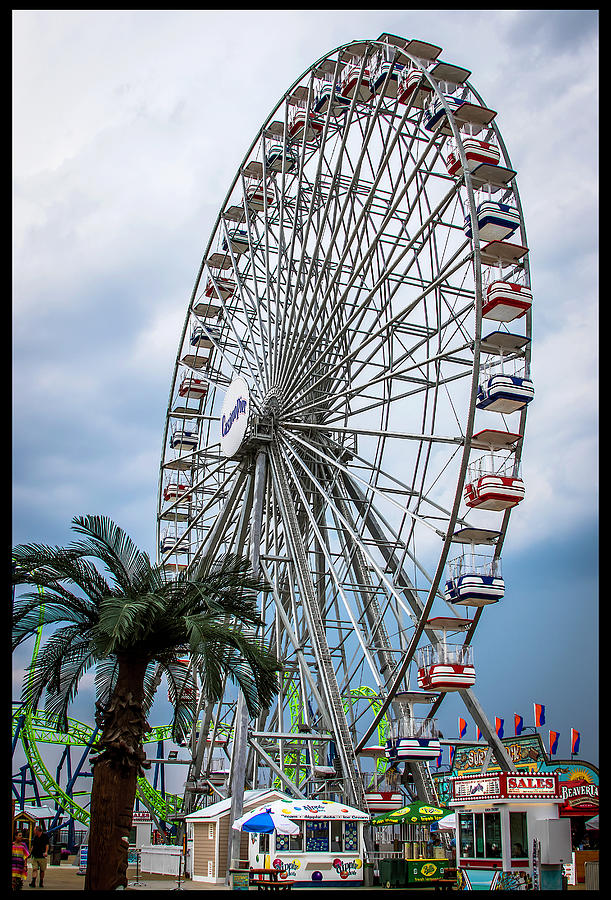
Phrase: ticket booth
(509, 832)
(24, 822)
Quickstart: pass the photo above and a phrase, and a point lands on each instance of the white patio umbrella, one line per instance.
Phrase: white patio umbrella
(448, 823)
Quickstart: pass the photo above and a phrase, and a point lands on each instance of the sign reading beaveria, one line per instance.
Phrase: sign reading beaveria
(234, 417)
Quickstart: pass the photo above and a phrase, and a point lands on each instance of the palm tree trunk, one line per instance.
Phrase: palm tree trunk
(115, 776)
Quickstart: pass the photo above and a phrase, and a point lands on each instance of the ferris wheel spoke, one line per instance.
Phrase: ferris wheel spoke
(339, 510)
(404, 374)
(329, 459)
(372, 244)
(331, 570)
(332, 201)
(400, 488)
(299, 384)
(379, 333)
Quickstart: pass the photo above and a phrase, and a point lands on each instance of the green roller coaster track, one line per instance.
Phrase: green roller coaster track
(297, 757)
(34, 728)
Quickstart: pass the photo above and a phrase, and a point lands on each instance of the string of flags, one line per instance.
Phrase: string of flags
(518, 722)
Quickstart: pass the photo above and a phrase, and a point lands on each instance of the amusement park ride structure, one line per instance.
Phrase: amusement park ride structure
(359, 329)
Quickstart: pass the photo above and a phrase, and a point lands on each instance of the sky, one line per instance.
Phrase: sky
(128, 128)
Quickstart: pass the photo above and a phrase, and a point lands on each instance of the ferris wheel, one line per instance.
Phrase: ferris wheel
(348, 406)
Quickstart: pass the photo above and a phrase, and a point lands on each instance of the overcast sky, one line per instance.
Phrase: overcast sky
(128, 128)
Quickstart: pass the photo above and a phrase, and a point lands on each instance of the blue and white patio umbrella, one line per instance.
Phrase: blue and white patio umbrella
(265, 820)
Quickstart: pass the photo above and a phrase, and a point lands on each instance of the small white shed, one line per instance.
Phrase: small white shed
(208, 836)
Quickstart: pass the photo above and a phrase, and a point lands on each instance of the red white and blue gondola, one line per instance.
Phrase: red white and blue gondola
(476, 152)
(354, 83)
(224, 288)
(474, 589)
(505, 393)
(411, 80)
(495, 492)
(436, 111)
(505, 301)
(237, 239)
(495, 221)
(280, 158)
(183, 439)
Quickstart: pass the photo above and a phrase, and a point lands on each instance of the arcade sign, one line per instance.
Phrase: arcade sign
(234, 417)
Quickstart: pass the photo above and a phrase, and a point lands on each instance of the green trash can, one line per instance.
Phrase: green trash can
(386, 872)
(400, 872)
(393, 872)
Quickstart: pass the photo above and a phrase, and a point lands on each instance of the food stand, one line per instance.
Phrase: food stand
(327, 849)
(416, 865)
(509, 831)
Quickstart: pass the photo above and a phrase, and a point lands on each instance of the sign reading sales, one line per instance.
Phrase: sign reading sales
(506, 786)
(543, 785)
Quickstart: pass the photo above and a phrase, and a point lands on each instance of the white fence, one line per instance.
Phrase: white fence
(160, 859)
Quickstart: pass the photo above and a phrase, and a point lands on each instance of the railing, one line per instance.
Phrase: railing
(446, 654)
(413, 728)
(474, 564)
(489, 465)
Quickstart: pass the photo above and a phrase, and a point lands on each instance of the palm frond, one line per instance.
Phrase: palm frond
(56, 671)
(124, 621)
(105, 680)
(48, 567)
(184, 704)
(110, 543)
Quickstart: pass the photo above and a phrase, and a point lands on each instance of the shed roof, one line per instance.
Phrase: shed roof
(223, 807)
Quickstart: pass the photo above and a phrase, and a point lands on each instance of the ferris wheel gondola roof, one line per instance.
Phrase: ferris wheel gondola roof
(472, 535)
(489, 439)
(453, 623)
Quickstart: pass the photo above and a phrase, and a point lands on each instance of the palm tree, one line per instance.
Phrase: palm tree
(133, 623)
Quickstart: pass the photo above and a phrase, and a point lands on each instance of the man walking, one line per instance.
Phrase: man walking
(38, 855)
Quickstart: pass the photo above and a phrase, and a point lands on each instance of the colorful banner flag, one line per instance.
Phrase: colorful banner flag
(479, 733)
(553, 742)
(519, 723)
(539, 715)
(575, 738)
(439, 758)
(462, 728)
(499, 726)
(452, 749)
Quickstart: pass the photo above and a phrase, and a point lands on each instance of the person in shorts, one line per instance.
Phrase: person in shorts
(38, 855)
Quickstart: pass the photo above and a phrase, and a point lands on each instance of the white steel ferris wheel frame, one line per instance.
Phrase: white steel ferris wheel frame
(357, 307)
